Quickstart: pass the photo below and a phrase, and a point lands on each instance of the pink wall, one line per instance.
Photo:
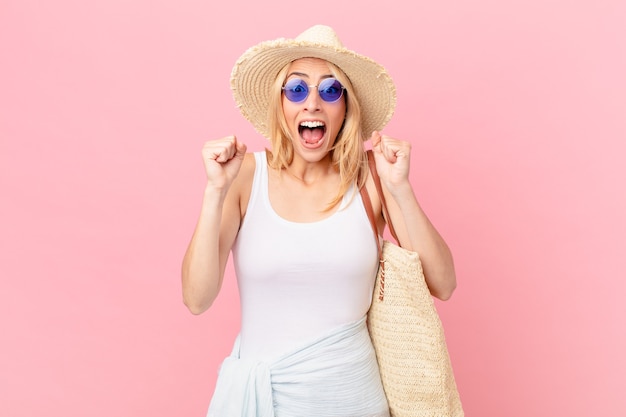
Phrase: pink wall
(517, 112)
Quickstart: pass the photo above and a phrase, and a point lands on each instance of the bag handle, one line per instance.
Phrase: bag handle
(379, 190)
(367, 202)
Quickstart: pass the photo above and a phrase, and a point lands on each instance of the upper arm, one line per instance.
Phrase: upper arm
(234, 208)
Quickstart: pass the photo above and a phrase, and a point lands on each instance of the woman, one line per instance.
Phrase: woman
(302, 245)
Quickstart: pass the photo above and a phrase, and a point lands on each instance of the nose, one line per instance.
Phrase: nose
(313, 100)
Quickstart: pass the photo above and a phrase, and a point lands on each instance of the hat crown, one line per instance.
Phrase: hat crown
(320, 34)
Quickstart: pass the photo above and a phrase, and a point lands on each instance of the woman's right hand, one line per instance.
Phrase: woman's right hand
(222, 161)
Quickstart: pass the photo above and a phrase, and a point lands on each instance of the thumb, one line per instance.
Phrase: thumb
(240, 148)
(375, 138)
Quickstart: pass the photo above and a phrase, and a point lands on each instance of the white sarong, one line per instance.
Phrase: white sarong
(335, 376)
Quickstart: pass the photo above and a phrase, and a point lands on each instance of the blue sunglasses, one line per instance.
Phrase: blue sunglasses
(297, 90)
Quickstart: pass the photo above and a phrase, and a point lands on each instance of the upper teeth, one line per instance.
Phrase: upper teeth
(312, 124)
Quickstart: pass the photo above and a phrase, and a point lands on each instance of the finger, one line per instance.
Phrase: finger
(375, 138)
(388, 148)
(226, 150)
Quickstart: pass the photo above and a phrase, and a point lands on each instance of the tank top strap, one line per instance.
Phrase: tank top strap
(258, 191)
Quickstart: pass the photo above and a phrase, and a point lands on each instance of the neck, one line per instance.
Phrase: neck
(310, 172)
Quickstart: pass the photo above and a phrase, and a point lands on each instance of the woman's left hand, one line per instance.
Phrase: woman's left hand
(392, 158)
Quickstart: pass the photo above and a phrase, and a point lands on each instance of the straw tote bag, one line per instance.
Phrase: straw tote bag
(406, 331)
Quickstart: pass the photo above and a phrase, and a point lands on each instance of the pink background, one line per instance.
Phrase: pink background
(517, 113)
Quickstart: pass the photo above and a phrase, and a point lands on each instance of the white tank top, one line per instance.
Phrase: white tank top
(299, 281)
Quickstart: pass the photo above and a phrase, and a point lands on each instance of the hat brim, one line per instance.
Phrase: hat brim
(255, 72)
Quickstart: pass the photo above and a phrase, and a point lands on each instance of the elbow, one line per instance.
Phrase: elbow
(196, 307)
(446, 284)
(446, 294)
(195, 310)
(197, 298)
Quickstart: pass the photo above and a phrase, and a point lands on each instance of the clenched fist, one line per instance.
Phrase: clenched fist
(222, 160)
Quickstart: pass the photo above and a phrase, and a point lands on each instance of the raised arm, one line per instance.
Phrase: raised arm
(220, 216)
(414, 229)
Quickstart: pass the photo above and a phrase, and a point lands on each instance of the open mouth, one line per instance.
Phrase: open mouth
(312, 132)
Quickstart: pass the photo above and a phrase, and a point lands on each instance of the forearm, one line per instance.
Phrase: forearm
(420, 235)
(202, 270)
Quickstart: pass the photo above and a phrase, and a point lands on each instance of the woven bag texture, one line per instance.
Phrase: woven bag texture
(409, 341)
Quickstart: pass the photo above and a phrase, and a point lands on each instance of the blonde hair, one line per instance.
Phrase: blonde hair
(347, 154)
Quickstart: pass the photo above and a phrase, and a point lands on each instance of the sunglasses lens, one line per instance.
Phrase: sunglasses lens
(330, 90)
(296, 90)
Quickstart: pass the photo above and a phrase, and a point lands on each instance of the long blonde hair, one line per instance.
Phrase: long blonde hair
(347, 154)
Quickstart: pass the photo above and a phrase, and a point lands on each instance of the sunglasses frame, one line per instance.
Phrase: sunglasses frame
(309, 87)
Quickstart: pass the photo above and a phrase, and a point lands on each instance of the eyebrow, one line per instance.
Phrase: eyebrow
(301, 74)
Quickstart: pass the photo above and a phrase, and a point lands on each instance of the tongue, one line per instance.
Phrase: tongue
(312, 135)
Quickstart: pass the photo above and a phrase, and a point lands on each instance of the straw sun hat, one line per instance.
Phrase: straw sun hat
(256, 70)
